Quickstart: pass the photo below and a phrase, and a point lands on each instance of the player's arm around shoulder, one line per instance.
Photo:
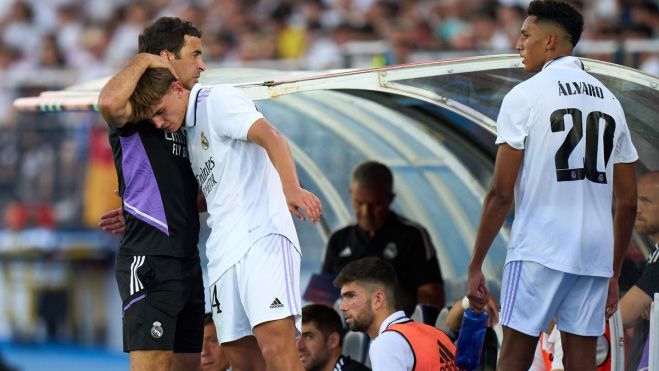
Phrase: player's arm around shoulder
(114, 98)
(300, 201)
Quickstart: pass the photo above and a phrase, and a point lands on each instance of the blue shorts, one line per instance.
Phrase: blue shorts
(532, 294)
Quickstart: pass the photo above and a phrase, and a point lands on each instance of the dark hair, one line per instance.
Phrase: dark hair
(26, 8)
(151, 87)
(371, 271)
(373, 174)
(560, 13)
(647, 6)
(208, 318)
(324, 318)
(167, 33)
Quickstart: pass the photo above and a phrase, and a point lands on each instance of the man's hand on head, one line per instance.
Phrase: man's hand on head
(159, 61)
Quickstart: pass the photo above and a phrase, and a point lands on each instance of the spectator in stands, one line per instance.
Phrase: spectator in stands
(212, 355)
(368, 301)
(51, 56)
(9, 58)
(409, 28)
(69, 28)
(20, 30)
(381, 232)
(646, 13)
(134, 16)
(319, 346)
(635, 304)
(487, 35)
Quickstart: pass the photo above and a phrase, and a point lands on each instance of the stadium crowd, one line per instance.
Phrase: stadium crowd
(95, 37)
(51, 45)
(85, 39)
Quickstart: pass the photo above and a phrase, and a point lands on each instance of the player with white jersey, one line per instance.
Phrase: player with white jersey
(247, 174)
(572, 131)
(564, 152)
(244, 195)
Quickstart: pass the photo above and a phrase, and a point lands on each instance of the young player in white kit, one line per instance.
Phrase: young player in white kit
(245, 170)
(564, 150)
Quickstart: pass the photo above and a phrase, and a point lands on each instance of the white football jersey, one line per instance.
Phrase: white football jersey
(572, 130)
(243, 190)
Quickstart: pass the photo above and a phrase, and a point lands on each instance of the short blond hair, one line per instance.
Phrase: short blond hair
(152, 86)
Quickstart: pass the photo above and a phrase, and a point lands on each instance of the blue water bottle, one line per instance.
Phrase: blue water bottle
(470, 341)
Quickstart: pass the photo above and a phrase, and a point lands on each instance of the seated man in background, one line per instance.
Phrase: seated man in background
(319, 347)
(368, 301)
(635, 304)
(383, 233)
(212, 355)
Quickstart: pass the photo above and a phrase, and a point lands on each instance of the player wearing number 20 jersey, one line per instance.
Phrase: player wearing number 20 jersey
(564, 153)
(572, 130)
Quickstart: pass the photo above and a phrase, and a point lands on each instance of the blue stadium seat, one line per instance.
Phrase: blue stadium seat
(355, 345)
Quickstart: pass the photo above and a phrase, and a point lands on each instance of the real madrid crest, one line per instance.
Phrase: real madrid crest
(204, 141)
(390, 251)
(156, 330)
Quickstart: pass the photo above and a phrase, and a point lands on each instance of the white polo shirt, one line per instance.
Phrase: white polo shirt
(563, 193)
(390, 351)
(243, 190)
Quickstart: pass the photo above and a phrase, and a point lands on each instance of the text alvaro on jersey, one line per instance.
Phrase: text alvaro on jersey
(574, 88)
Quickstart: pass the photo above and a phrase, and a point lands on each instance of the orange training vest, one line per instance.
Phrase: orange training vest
(606, 366)
(431, 348)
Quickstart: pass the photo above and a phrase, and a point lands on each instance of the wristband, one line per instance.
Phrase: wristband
(465, 303)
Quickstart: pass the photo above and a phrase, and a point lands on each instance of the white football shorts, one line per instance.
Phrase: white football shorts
(532, 294)
(264, 285)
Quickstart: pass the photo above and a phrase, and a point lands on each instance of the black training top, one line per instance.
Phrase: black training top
(649, 281)
(344, 363)
(159, 191)
(403, 243)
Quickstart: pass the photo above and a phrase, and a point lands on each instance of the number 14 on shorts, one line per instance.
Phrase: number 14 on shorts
(215, 303)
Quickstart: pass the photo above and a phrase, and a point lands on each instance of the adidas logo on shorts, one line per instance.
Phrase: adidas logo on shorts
(276, 304)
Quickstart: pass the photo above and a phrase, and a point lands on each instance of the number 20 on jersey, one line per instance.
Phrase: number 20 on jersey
(592, 137)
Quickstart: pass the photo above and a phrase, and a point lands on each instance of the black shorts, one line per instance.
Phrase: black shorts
(163, 302)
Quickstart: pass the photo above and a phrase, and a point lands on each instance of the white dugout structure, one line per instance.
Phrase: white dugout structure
(433, 123)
